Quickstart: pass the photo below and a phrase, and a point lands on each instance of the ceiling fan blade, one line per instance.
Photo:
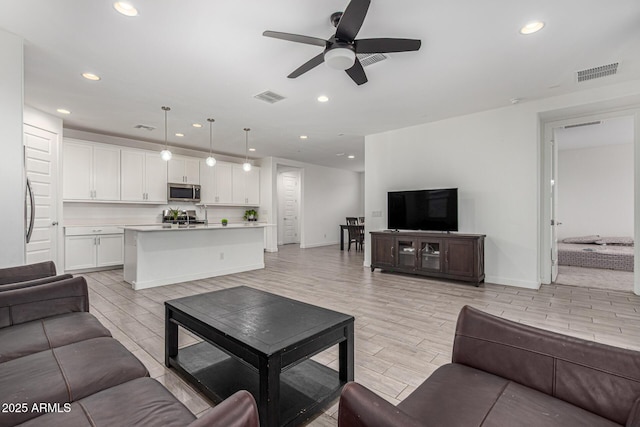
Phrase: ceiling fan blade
(352, 20)
(310, 64)
(296, 38)
(357, 73)
(386, 45)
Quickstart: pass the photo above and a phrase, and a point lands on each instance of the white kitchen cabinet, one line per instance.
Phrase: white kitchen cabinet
(144, 177)
(184, 170)
(93, 247)
(246, 186)
(90, 171)
(216, 183)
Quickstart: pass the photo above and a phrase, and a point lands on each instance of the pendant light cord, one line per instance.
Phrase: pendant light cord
(246, 145)
(165, 127)
(210, 135)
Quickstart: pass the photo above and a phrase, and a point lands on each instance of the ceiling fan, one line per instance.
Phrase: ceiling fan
(341, 49)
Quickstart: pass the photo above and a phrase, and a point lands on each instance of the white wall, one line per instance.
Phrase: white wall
(329, 195)
(12, 234)
(595, 191)
(494, 158)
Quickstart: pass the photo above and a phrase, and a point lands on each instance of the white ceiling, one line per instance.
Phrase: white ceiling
(206, 58)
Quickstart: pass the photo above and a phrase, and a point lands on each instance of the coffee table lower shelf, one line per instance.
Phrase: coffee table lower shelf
(305, 388)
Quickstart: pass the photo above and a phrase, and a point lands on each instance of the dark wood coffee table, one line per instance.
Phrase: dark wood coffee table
(261, 342)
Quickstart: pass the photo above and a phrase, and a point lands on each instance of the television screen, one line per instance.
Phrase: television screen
(428, 210)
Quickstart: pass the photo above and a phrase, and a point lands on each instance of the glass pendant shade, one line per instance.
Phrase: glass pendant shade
(211, 161)
(166, 155)
(246, 165)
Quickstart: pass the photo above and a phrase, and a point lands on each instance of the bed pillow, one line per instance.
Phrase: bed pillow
(583, 239)
(622, 241)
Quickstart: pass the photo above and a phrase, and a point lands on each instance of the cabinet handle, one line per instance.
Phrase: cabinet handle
(98, 240)
(392, 252)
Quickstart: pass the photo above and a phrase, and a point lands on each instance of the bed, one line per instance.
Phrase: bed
(597, 252)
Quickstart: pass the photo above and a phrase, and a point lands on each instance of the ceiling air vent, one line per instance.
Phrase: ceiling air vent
(597, 72)
(270, 97)
(582, 124)
(370, 58)
(145, 127)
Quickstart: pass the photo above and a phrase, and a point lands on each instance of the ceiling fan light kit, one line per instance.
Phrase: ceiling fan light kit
(340, 50)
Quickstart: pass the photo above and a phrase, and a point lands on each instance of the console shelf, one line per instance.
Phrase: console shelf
(443, 255)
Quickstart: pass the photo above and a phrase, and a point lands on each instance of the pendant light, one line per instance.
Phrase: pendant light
(246, 165)
(165, 154)
(211, 161)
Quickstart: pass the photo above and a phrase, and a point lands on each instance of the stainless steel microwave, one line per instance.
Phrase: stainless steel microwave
(183, 192)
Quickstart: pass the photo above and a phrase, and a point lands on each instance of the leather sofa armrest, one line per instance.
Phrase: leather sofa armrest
(34, 282)
(634, 415)
(23, 273)
(37, 302)
(238, 410)
(360, 407)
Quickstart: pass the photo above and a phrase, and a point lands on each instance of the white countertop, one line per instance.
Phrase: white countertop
(167, 227)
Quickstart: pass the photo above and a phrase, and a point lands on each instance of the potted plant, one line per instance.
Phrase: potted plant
(251, 215)
(224, 222)
(174, 213)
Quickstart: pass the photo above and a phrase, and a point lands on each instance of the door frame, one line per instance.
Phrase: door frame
(280, 204)
(548, 126)
(280, 168)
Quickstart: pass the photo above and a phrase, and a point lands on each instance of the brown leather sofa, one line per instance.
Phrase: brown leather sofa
(509, 374)
(60, 367)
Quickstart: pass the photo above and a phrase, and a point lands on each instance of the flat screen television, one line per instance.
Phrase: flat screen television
(428, 210)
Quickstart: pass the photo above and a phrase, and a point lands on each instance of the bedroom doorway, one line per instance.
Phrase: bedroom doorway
(592, 202)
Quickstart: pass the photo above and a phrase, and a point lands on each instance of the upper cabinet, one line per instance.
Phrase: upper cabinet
(91, 171)
(216, 183)
(246, 186)
(144, 177)
(184, 170)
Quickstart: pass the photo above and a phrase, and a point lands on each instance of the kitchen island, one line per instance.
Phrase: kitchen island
(157, 255)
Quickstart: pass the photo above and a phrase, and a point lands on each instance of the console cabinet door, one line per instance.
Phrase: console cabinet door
(382, 250)
(430, 255)
(459, 257)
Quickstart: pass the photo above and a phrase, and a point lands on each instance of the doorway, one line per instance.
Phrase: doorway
(588, 190)
(288, 206)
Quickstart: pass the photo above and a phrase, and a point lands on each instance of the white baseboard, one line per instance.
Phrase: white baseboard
(188, 277)
(512, 282)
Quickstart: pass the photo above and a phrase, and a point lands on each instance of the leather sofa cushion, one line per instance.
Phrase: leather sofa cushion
(51, 332)
(65, 374)
(141, 402)
(457, 395)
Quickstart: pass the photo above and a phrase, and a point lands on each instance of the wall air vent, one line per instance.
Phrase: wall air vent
(145, 127)
(583, 124)
(370, 58)
(270, 97)
(597, 72)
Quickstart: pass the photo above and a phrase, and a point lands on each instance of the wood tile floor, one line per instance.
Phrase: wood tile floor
(404, 324)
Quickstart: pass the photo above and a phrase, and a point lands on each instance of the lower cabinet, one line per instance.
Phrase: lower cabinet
(449, 256)
(93, 247)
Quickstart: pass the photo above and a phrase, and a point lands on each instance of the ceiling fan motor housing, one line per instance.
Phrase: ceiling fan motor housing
(339, 55)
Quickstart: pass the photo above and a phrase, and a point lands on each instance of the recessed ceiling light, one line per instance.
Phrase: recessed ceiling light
(196, 125)
(252, 149)
(323, 98)
(63, 111)
(351, 157)
(91, 76)
(303, 137)
(339, 154)
(179, 134)
(125, 8)
(532, 27)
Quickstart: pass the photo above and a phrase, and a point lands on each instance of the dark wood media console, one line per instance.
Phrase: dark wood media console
(444, 255)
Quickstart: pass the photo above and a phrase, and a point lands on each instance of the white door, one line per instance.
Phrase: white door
(554, 210)
(289, 207)
(41, 153)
